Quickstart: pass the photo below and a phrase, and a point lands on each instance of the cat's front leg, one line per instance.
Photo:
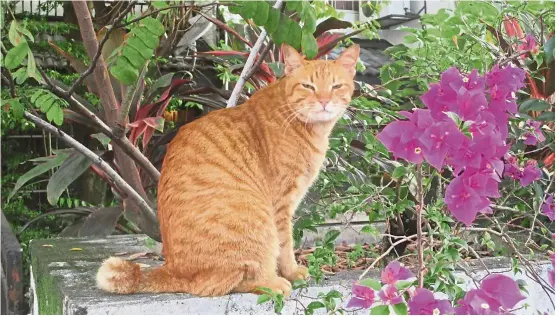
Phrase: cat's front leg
(287, 265)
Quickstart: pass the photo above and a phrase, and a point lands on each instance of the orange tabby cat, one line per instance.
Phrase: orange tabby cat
(232, 180)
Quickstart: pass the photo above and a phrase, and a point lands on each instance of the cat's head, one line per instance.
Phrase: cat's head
(319, 91)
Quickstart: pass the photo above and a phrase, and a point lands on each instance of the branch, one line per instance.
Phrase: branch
(122, 142)
(95, 59)
(97, 161)
(385, 254)
(248, 65)
(260, 59)
(102, 79)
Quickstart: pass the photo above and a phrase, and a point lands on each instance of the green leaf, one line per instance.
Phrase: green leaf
(153, 26)
(399, 172)
(534, 105)
(140, 46)
(549, 50)
(69, 171)
(146, 36)
(13, 34)
(26, 32)
(309, 45)
(262, 11)
(55, 114)
(281, 35)
(38, 170)
(16, 107)
(133, 56)
(294, 35)
(263, 298)
(331, 236)
(16, 56)
(235, 8)
(159, 4)
(546, 116)
(380, 310)
(20, 75)
(369, 282)
(101, 137)
(274, 16)
(161, 82)
(31, 66)
(294, 6)
(249, 9)
(124, 71)
(400, 309)
(400, 285)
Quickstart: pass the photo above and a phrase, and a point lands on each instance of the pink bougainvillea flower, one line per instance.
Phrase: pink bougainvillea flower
(394, 272)
(534, 134)
(530, 173)
(438, 140)
(529, 43)
(389, 295)
(548, 207)
(483, 185)
(503, 289)
(463, 201)
(362, 297)
(464, 157)
(423, 302)
(478, 302)
(400, 138)
(503, 82)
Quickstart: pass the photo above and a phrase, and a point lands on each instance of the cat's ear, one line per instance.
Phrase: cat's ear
(291, 58)
(348, 58)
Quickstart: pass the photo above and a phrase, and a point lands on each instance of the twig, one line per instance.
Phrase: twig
(419, 177)
(536, 212)
(385, 254)
(163, 9)
(97, 160)
(513, 57)
(95, 59)
(260, 59)
(248, 65)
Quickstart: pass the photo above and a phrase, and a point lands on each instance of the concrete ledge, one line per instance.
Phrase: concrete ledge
(63, 273)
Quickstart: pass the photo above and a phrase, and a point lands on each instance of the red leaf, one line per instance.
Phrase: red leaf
(225, 27)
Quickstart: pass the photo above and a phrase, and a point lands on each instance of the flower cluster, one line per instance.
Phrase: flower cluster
(548, 207)
(464, 127)
(526, 175)
(364, 296)
(497, 295)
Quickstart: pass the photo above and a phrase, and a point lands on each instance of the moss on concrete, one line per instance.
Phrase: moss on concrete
(48, 295)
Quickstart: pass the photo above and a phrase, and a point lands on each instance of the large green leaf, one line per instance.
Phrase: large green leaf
(140, 46)
(133, 56)
(146, 36)
(248, 11)
(534, 105)
(273, 20)
(101, 222)
(153, 25)
(262, 11)
(380, 310)
(16, 55)
(124, 71)
(309, 45)
(38, 170)
(549, 50)
(74, 166)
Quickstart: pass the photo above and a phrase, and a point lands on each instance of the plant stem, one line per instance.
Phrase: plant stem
(97, 161)
(248, 65)
(419, 177)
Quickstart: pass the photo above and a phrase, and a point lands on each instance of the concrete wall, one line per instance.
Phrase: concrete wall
(63, 282)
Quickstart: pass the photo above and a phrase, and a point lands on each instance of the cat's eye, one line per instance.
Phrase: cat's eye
(311, 87)
(338, 86)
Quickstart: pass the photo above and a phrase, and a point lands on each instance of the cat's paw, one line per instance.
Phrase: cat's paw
(299, 273)
(278, 285)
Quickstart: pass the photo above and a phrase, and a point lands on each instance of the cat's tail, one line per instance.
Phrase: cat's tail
(119, 276)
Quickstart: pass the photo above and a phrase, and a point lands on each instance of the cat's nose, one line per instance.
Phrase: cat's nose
(324, 102)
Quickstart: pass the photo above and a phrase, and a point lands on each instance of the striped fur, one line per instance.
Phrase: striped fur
(232, 180)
